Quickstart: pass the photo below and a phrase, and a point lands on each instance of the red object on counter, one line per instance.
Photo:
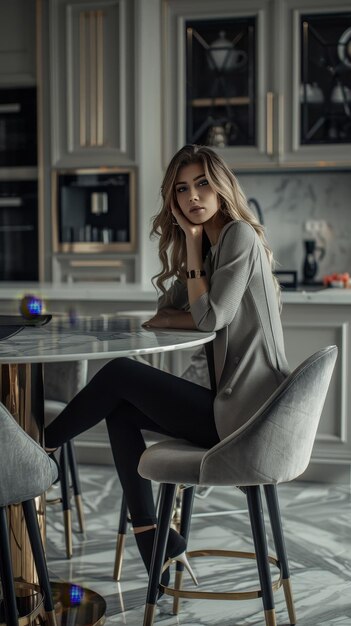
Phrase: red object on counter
(344, 278)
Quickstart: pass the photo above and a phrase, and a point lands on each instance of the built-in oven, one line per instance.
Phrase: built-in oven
(18, 127)
(18, 230)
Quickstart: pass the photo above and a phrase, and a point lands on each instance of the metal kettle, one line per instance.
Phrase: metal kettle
(310, 265)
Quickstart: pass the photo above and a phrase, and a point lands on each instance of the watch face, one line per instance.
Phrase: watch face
(344, 47)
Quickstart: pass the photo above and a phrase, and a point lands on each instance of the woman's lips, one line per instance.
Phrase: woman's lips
(196, 209)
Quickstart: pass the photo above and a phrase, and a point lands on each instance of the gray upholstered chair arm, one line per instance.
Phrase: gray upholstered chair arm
(26, 470)
(275, 444)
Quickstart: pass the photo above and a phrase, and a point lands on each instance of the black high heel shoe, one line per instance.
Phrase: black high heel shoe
(175, 551)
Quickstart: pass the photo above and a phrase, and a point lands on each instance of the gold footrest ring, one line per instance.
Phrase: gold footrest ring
(223, 595)
(36, 600)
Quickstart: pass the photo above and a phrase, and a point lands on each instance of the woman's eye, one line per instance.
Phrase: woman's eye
(180, 189)
(203, 182)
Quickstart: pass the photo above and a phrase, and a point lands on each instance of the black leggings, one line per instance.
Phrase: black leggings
(132, 397)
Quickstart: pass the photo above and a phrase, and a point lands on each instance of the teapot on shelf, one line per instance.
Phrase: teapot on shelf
(224, 57)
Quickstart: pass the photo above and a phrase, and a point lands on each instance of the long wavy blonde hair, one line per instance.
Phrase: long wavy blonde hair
(233, 206)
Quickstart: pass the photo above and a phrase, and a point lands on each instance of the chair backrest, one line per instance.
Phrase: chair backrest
(275, 445)
(26, 471)
(63, 380)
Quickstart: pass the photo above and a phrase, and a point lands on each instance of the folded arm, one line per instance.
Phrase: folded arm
(171, 318)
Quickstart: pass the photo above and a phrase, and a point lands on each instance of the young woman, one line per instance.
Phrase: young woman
(214, 253)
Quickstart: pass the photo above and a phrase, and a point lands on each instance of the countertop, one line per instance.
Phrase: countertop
(331, 295)
(114, 292)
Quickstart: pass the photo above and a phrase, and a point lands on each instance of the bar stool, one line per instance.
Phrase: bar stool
(62, 381)
(26, 472)
(273, 446)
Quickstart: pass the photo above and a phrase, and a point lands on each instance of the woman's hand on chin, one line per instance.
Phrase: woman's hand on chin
(190, 229)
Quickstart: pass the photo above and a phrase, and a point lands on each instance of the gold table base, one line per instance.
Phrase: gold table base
(22, 392)
(77, 605)
(74, 605)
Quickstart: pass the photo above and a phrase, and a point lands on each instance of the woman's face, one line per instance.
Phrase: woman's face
(197, 200)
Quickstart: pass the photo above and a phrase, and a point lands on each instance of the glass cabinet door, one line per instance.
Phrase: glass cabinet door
(316, 83)
(325, 92)
(220, 79)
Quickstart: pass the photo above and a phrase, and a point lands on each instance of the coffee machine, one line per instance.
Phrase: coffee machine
(310, 265)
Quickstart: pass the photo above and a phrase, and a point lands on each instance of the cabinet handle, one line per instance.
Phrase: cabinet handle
(10, 108)
(97, 263)
(281, 125)
(269, 121)
(10, 201)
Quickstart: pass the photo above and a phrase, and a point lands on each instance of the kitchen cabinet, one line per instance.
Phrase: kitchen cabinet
(18, 43)
(280, 103)
(308, 327)
(92, 91)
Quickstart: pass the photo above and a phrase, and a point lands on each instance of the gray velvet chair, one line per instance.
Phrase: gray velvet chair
(62, 381)
(273, 446)
(26, 472)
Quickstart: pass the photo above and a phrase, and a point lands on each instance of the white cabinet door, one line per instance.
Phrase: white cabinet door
(17, 42)
(201, 109)
(92, 96)
(308, 328)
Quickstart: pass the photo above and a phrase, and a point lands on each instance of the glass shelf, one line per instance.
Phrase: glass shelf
(217, 102)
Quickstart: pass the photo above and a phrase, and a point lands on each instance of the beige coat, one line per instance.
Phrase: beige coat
(242, 307)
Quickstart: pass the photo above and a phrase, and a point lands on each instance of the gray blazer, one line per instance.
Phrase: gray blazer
(242, 307)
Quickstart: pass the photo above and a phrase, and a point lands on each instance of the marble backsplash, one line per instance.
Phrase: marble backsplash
(288, 200)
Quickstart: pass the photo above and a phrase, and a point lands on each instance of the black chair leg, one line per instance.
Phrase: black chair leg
(158, 497)
(254, 503)
(121, 539)
(77, 490)
(30, 515)
(279, 542)
(159, 551)
(8, 588)
(188, 495)
(66, 500)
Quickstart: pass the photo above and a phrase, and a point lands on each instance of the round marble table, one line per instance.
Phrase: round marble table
(21, 382)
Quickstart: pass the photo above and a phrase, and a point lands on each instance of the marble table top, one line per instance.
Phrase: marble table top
(103, 336)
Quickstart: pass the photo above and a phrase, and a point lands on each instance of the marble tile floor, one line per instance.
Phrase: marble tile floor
(317, 524)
